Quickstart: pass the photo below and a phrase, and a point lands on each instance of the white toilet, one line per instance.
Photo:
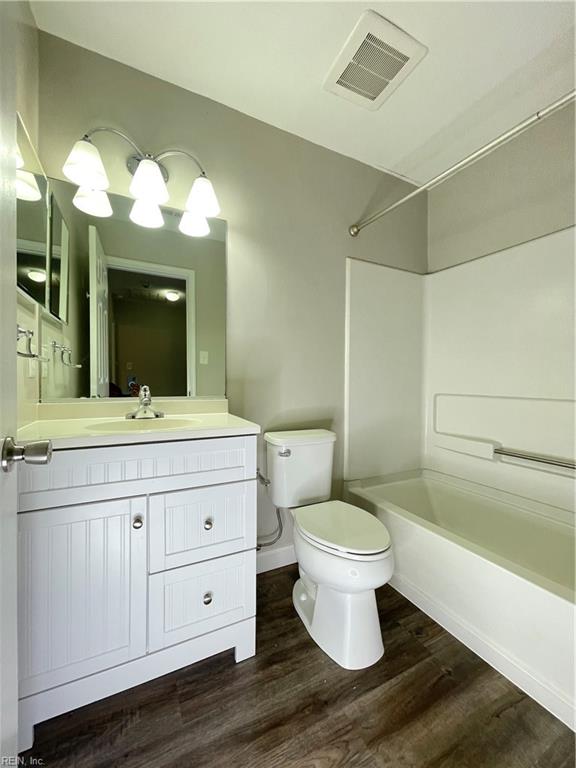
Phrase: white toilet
(343, 552)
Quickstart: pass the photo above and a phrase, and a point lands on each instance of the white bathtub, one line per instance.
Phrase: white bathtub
(496, 570)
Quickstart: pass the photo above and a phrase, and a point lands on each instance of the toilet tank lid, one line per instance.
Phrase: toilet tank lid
(300, 437)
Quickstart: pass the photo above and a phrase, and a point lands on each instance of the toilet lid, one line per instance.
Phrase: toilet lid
(344, 527)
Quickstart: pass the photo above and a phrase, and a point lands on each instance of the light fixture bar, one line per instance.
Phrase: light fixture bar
(172, 152)
(84, 167)
(92, 131)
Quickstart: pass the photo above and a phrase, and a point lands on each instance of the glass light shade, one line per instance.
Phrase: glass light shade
(84, 166)
(172, 295)
(27, 187)
(146, 214)
(148, 183)
(194, 224)
(19, 158)
(93, 201)
(37, 276)
(202, 198)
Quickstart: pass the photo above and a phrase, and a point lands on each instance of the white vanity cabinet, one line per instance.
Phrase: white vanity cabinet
(134, 561)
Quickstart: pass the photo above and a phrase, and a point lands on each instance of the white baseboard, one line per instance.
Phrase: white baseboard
(269, 559)
(503, 662)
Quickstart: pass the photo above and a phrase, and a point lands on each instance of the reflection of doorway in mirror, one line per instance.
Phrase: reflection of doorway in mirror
(151, 328)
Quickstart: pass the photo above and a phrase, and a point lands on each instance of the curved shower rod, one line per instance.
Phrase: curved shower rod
(355, 229)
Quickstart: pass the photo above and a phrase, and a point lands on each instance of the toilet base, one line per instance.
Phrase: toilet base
(345, 626)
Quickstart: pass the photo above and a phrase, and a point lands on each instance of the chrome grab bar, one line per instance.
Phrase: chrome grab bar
(555, 461)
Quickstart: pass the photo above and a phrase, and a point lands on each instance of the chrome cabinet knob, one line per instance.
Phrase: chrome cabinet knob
(285, 452)
(137, 523)
(39, 452)
(208, 524)
(207, 599)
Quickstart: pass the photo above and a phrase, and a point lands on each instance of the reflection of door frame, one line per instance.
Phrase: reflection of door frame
(189, 275)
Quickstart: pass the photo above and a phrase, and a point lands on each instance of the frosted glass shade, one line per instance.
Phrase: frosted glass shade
(194, 224)
(93, 201)
(19, 158)
(202, 198)
(84, 166)
(148, 183)
(27, 187)
(146, 214)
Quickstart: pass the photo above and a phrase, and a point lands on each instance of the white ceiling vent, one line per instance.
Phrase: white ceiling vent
(375, 59)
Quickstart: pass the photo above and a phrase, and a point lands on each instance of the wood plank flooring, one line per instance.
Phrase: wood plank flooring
(429, 703)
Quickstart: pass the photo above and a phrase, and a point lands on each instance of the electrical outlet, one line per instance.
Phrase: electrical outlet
(203, 357)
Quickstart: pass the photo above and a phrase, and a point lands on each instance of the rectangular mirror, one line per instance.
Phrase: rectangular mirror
(145, 306)
(32, 220)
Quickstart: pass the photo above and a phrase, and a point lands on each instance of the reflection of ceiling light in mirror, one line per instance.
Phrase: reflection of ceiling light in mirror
(146, 214)
(93, 201)
(37, 276)
(202, 198)
(19, 158)
(84, 166)
(194, 224)
(148, 183)
(27, 187)
(172, 295)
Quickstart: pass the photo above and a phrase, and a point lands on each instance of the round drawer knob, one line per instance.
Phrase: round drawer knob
(137, 523)
(207, 599)
(208, 524)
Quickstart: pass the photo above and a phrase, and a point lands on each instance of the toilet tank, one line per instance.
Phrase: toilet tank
(299, 466)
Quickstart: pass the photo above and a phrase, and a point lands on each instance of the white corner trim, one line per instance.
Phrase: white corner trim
(268, 560)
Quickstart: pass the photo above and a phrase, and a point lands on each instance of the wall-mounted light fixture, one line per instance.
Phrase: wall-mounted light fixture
(84, 167)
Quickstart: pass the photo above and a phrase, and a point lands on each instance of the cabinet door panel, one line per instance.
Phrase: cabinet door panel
(82, 604)
(191, 601)
(201, 523)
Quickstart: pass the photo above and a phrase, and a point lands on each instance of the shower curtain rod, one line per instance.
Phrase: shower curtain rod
(355, 229)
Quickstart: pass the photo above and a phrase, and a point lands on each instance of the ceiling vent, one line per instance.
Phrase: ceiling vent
(375, 59)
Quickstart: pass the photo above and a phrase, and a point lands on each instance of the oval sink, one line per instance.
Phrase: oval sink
(142, 425)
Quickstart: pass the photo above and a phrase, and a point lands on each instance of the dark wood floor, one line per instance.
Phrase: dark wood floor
(429, 702)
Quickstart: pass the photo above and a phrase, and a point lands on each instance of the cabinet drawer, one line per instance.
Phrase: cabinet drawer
(200, 524)
(95, 474)
(200, 598)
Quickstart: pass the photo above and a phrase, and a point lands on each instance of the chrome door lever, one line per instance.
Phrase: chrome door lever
(39, 452)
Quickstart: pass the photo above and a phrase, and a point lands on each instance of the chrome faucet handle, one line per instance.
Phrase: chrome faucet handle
(145, 395)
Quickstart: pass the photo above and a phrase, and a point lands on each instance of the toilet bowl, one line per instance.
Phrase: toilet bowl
(343, 554)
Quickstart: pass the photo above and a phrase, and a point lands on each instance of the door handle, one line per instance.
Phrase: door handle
(39, 452)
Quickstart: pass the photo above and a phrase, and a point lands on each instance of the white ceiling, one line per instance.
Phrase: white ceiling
(490, 65)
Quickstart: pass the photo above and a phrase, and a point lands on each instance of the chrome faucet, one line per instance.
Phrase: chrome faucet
(145, 410)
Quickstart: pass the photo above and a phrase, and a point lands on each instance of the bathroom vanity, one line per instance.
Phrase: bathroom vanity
(137, 555)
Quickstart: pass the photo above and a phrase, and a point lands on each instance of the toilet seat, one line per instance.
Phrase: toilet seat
(343, 530)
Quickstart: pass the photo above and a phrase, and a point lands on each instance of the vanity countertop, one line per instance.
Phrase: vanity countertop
(91, 432)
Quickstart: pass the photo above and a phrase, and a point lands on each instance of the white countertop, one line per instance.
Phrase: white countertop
(90, 433)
